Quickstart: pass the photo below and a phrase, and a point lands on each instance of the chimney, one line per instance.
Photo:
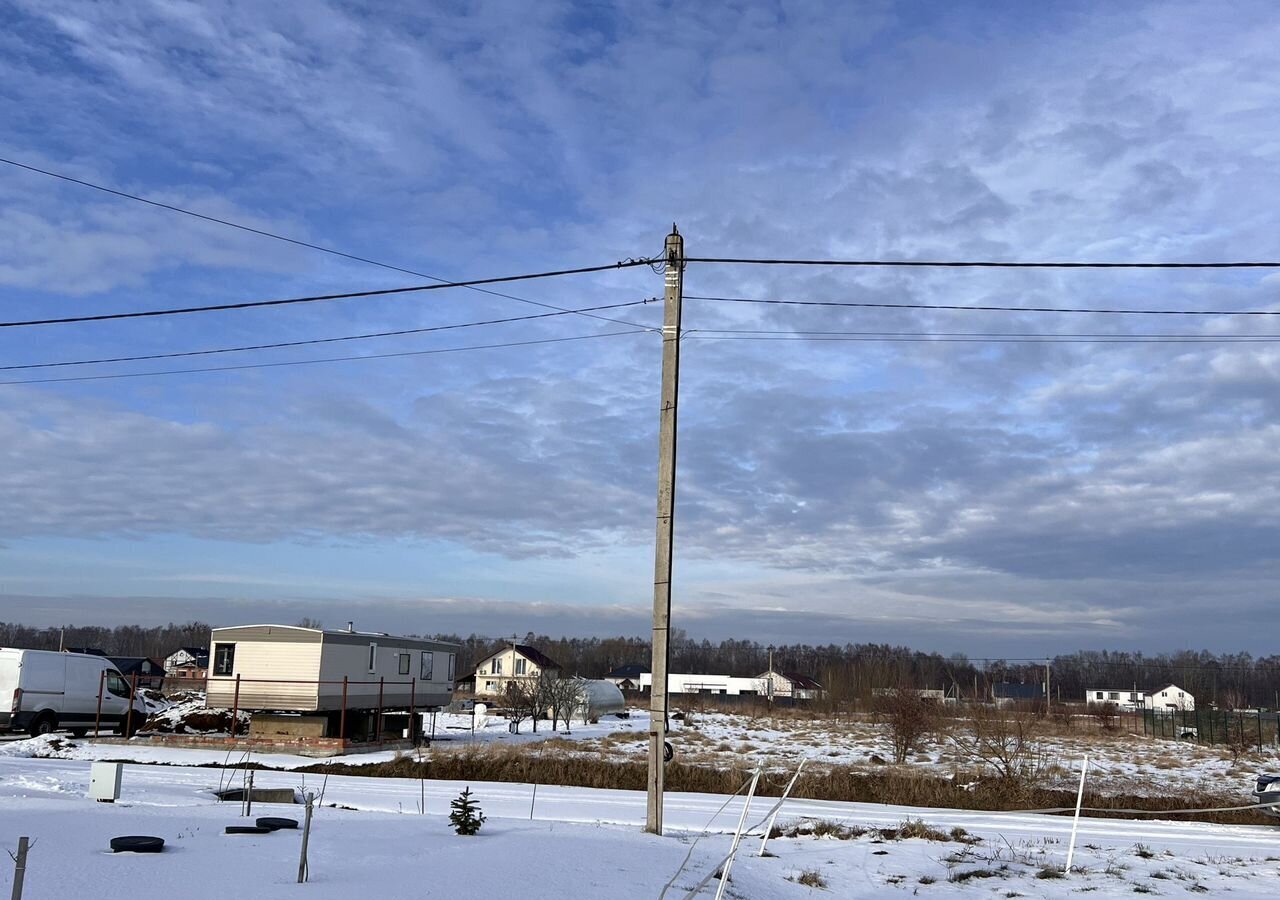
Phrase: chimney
(351, 626)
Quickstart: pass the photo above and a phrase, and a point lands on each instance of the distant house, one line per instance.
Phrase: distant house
(936, 695)
(791, 686)
(186, 656)
(1169, 697)
(513, 664)
(1005, 693)
(187, 665)
(725, 685)
(149, 672)
(627, 678)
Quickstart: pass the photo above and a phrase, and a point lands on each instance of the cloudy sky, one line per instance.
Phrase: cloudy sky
(1010, 498)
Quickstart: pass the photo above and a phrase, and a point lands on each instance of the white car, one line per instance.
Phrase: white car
(1267, 790)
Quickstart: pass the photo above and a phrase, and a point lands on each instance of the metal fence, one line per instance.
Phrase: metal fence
(1251, 728)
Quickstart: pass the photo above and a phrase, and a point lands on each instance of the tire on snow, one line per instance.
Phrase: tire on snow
(137, 843)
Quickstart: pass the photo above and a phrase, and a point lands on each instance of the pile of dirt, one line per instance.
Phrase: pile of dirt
(193, 717)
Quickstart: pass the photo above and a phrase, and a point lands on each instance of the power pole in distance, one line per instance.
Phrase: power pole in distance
(663, 550)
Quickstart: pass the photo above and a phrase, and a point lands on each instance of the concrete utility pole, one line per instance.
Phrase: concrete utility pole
(663, 550)
(1048, 698)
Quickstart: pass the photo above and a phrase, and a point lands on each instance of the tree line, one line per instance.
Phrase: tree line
(850, 671)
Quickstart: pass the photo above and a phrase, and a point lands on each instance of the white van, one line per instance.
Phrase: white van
(42, 691)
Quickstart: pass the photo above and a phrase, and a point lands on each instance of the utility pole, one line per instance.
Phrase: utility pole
(664, 547)
(1048, 698)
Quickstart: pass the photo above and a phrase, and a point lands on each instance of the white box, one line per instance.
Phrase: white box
(104, 781)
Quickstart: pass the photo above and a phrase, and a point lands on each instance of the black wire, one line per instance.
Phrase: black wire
(332, 340)
(330, 359)
(312, 299)
(287, 240)
(1020, 309)
(943, 339)
(978, 264)
(979, 334)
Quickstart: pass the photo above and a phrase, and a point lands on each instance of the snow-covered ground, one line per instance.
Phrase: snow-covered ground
(369, 838)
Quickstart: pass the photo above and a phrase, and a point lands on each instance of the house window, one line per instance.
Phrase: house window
(1180, 694)
(1100, 697)
(428, 665)
(1133, 698)
(520, 666)
(373, 657)
(497, 667)
(404, 663)
(1164, 693)
(488, 685)
(451, 662)
(224, 658)
(1115, 695)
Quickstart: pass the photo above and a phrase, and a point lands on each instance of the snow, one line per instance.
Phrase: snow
(368, 837)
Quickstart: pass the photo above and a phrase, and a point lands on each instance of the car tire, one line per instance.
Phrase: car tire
(248, 829)
(277, 823)
(137, 843)
(45, 723)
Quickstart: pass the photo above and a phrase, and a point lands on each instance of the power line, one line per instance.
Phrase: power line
(799, 334)
(303, 343)
(944, 338)
(623, 264)
(1019, 309)
(288, 240)
(331, 359)
(976, 264)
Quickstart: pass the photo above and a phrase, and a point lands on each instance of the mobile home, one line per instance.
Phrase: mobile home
(288, 668)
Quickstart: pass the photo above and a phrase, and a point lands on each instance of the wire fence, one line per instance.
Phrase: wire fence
(1239, 728)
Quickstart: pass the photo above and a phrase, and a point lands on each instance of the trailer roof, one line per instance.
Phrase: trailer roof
(301, 635)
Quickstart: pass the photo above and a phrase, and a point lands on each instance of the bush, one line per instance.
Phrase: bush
(910, 719)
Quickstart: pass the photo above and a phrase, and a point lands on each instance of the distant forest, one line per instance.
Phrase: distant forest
(848, 671)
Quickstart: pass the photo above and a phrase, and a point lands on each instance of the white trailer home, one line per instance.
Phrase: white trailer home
(289, 668)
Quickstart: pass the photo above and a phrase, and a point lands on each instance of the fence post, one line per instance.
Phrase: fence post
(128, 718)
(97, 717)
(303, 868)
(342, 718)
(1259, 715)
(20, 867)
(235, 713)
(773, 816)
(413, 701)
(382, 681)
(1075, 822)
(727, 865)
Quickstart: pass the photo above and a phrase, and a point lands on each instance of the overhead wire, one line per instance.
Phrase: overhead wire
(288, 240)
(302, 343)
(981, 308)
(977, 264)
(330, 359)
(382, 292)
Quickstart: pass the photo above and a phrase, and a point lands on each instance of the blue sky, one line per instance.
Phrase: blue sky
(1010, 498)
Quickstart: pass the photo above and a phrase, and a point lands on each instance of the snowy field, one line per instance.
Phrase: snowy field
(573, 842)
(1120, 763)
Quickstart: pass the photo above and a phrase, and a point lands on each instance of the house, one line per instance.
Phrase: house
(1169, 697)
(1126, 699)
(725, 685)
(935, 695)
(1006, 694)
(513, 664)
(627, 678)
(295, 669)
(790, 685)
(148, 672)
(186, 657)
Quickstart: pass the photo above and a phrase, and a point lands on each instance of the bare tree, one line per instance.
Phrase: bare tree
(569, 699)
(521, 697)
(910, 719)
(1005, 741)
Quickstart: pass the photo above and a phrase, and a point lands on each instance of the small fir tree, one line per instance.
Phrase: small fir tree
(466, 817)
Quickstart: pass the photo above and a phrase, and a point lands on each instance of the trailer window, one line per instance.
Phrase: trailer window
(404, 663)
(451, 667)
(224, 658)
(373, 657)
(428, 665)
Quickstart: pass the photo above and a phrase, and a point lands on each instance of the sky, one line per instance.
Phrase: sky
(991, 498)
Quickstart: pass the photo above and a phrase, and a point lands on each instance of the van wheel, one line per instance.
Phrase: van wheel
(45, 723)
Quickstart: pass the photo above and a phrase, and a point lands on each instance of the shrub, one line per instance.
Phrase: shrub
(910, 719)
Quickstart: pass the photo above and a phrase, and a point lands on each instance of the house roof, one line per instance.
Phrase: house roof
(537, 657)
(801, 681)
(131, 664)
(631, 670)
(1007, 691)
(193, 651)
